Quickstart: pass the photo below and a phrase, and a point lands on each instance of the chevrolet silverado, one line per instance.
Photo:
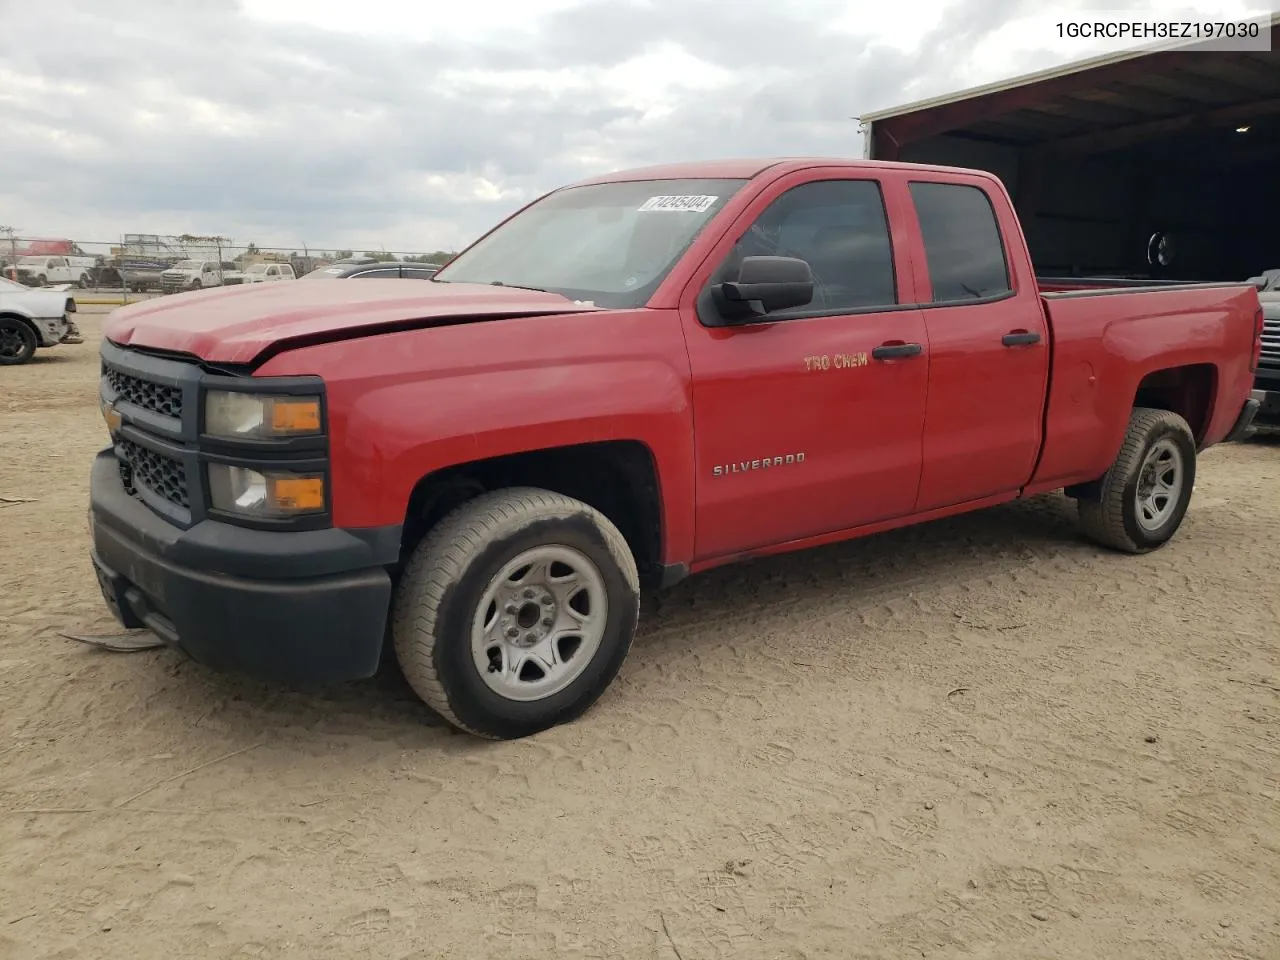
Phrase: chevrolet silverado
(631, 379)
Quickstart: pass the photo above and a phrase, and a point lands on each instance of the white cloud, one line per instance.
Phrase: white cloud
(416, 126)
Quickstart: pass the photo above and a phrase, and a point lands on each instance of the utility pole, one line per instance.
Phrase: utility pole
(12, 234)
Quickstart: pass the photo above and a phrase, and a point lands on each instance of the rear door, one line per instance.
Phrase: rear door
(801, 428)
(988, 341)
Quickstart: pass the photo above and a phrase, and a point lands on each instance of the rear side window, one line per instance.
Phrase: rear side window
(961, 242)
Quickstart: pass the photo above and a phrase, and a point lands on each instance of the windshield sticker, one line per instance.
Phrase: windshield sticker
(689, 204)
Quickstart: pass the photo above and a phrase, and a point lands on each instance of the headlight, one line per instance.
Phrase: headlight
(259, 416)
(271, 494)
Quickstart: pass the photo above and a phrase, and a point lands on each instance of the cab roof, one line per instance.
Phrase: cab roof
(747, 169)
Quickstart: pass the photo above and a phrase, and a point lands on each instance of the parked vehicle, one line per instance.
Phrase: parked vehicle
(268, 272)
(30, 319)
(43, 271)
(1267, 381)
(191, 275)
(639, 377)
(136, 275)
(231, 274)
(368, 268)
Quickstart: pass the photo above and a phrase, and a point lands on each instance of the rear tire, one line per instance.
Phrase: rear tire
(18, 342)
(1145, 495)
(549, 569)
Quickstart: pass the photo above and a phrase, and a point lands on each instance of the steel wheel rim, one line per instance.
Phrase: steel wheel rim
(1159, 484)
(11, 345)
(539, 623)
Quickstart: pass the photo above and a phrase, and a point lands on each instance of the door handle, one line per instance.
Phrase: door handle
(1020, 338)
(894, 351)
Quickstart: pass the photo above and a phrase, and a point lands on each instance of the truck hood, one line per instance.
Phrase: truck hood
(44, 302)
(237, 324)
(1270, 301)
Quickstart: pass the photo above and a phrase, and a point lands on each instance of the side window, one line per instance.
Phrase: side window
(378, 274)
(961, 242)
(840, 229)
(272, 272)
(419, 274)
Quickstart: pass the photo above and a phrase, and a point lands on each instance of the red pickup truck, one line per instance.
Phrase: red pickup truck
(634, 378)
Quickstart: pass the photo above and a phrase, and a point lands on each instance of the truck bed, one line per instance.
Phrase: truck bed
(1107, 344)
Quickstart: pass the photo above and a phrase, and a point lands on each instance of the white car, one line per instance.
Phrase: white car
(30, 319)
(267, 272)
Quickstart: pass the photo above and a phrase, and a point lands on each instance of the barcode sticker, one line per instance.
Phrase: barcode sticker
(687, 204)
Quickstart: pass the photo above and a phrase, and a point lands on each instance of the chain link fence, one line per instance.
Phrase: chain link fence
(141, 264)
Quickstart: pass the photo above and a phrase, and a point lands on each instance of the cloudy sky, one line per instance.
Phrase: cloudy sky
(342, 123)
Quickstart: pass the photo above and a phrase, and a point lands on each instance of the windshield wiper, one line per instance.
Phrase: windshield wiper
(515, 286)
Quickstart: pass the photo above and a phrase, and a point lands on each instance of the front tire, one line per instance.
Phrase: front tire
(515, 613)
(18, 342)
(1145, 494)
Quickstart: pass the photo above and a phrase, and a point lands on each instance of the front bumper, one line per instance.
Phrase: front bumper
(1268, 405)
(53, 330)
(296, 606)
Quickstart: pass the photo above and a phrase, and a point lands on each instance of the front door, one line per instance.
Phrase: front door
(804, 422)
(989, 345)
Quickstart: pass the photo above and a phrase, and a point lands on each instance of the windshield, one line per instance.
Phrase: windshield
(610, 243)
(31, 261)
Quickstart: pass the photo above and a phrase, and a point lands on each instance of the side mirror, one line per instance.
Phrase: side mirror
(766, 284)
(1259, 283)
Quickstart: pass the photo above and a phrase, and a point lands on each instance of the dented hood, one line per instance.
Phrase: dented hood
(237, 324)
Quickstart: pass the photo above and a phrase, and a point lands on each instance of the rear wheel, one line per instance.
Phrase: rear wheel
(515, 612)
(17, 342)
(1145, 494)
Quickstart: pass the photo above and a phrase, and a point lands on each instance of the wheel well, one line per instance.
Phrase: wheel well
(617, 477)
(1187, 391)
(25, 321)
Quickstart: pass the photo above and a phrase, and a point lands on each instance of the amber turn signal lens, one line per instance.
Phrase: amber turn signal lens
(295, 494)
(295, 416)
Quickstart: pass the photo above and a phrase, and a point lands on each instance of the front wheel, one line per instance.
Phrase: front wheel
(1145, 494)
(515, 612)
(17, 342)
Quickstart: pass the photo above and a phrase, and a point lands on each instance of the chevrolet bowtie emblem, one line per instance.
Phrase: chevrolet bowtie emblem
(112, 417)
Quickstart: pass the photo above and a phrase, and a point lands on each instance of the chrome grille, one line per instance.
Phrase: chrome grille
(163, 476)
(155, 397)
(1271, 341)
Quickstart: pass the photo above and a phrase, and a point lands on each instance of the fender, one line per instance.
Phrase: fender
(409, 403)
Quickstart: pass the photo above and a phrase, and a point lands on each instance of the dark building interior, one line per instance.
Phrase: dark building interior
(1164, 165)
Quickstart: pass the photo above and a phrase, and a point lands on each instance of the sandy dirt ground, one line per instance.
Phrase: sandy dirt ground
(978, 738)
